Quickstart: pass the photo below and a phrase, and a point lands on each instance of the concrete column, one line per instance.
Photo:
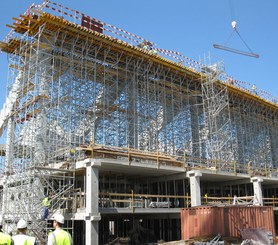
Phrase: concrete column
(195, 190)
(92, 216)
(257, 186)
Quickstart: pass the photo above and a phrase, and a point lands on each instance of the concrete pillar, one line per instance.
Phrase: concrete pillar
(257, 186)
(92, 216)
(195, 190)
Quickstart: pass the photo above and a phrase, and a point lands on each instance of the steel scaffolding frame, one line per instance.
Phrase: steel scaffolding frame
(33, 146)
(217, 133)
(254, 130)
(71, 86)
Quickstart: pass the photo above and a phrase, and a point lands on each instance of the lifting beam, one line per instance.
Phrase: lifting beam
(236, 51)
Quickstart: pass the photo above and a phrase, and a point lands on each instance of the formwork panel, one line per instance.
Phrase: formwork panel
(226, 221)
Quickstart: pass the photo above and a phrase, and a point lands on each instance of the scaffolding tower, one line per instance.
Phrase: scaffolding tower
(217, 133)
(39, 155)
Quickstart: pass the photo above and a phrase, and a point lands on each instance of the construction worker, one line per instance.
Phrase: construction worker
(70, 155)
(46, 205)
(145, 45)
(254, 87)
(59, 236)
(4, 238)
(152, 51)
(21, 238)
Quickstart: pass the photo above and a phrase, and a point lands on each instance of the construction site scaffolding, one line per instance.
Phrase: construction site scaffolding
(217, 131)
(73, 85)
(39, 159)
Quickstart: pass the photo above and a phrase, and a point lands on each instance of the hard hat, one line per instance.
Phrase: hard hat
(59, 218)
(21, 224)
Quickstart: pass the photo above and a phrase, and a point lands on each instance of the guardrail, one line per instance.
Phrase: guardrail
(181, 161)
(233, 167)
(134, 201)
(84, 20)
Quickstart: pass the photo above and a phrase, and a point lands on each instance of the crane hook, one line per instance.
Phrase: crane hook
(234, 24)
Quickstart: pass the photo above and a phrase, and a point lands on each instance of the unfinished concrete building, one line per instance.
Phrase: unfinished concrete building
(122, 134)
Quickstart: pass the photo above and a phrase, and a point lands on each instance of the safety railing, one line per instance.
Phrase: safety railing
(233, 168)
(271, 201)
(134, 201)
(114, 32)
(250, 88)
(234, 200)
(181, 161)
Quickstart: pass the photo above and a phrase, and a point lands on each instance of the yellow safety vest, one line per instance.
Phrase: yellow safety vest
(60, 237)
(5, 239)
(46, 202)
(31, 240)
(23, 240)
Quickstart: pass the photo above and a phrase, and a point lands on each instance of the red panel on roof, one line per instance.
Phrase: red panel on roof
(91, 24)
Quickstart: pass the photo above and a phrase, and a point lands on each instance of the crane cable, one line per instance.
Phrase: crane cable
(233, 19)
(232, 9)
(243, 41)
(234, 23)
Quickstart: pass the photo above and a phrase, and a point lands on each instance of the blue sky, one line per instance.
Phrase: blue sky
(189, 27)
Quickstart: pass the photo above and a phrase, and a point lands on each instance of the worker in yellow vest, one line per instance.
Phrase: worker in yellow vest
(21, 238)
(59, 236)
(4, 238)
(46, 205)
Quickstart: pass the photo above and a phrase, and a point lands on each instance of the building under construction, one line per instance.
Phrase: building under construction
(122, 134)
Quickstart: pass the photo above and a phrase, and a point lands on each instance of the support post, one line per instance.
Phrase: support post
(257, 186)
(92, 216)
(195, 190)
(9, 146)
(44, 78)
(8, 165)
